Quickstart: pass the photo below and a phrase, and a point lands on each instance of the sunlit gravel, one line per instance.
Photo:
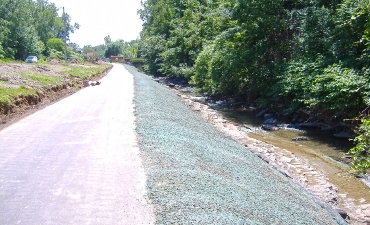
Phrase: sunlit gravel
(196, 175)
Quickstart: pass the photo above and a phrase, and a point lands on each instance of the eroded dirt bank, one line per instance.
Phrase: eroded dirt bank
(12, 75)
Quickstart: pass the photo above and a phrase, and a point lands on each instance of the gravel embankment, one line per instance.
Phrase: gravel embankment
(196, 175)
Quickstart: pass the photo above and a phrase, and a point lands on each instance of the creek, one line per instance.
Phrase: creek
(322, 150)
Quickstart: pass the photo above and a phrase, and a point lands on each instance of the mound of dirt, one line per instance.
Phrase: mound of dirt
(54, 61)
(74, 60)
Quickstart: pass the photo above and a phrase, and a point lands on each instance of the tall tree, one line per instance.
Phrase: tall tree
(113, 49)
(28, 25)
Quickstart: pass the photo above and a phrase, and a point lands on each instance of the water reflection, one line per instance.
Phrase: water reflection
(323, 143)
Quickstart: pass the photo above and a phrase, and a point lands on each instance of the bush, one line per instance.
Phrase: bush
(56, 54)
(361, 152)
(56, 44)
(137, 60)
(325, 89)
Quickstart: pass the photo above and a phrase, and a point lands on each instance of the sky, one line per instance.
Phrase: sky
(98, 19)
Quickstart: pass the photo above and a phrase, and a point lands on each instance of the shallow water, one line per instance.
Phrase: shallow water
(322, 150)
(323, 143)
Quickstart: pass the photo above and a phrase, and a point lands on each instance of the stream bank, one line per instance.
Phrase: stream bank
(324, 176)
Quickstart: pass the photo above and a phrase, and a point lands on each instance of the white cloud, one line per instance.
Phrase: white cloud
(98, 19)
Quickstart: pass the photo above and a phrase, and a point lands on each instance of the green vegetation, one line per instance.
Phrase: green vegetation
(28, 26)
(137, 60)
(121, 48)
(84, 72)
(291, 56)
(360, 153)
(115, 48)
(24, 80)
(56, 44)
(112, 49)
(8, 94)
(43, 79)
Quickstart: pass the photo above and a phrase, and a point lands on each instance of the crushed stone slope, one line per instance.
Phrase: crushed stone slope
(196, 175)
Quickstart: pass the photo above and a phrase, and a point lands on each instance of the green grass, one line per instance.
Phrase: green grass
(83, 72)
(43, 79)
(6, 60)
(8, 94)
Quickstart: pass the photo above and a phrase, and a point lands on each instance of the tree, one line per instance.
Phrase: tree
(74, 45)
(5, 51)
(26, 26)
(107, 40)
(134, 48)
(151, 47)
(113, 49)
(99, 50)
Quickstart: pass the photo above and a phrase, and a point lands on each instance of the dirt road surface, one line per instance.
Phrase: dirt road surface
(76, 161)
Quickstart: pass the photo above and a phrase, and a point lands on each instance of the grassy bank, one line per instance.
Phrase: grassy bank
(19, 80)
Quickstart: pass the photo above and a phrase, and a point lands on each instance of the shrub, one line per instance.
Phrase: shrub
(361, 152)
(56, 44)
(323, 89)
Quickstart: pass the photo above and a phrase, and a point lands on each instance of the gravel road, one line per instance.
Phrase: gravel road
(196, 175)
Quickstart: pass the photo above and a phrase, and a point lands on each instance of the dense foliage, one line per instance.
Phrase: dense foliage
(127, 49)
(122, 48)
(310, 56)
(26, 26)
